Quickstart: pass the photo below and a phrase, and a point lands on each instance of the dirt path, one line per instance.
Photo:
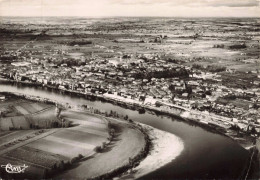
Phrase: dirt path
(28, 141)
(14, 136)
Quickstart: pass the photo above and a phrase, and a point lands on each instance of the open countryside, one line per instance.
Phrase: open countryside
(47, 151)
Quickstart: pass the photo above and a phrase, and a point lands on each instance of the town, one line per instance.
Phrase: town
(153, 79)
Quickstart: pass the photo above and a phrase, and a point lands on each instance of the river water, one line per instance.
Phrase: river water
(205, 155)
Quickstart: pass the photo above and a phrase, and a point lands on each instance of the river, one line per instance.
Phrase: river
(205, 155)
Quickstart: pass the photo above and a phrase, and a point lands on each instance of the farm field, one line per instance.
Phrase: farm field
(20, 122)
(12, 135)
(79, 136)
(9, 110)
(67, 150)
(129, 142)
(40, 158)
(40, 119)
(62, 145)
(20, 141)
(29, 108)
(43, 117)
(22, 114)
(6, 123)
(4, 133)
(82, 116)
(42, 150)
(82, 139)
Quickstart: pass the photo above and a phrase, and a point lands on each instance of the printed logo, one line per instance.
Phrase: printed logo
(14, 168)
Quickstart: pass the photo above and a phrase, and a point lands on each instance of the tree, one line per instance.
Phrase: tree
(80, 156)
(130, 120)
(54, 124)
(61, 165)
(103, 145)
(111, 113)
(45, 173)
(112, 132)
(73, 160)
(208, 92)
(57, 111)
(98, 149)
(189, 89)
(158, 104)
(54, 166)
(253, 130)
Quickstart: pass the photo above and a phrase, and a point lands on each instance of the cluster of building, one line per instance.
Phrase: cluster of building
(147, 78)
(150, 82)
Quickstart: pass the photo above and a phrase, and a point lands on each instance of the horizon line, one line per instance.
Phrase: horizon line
(138, 16)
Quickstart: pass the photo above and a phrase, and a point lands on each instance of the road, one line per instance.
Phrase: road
(23, 143)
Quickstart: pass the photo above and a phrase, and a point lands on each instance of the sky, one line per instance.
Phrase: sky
(107, 8)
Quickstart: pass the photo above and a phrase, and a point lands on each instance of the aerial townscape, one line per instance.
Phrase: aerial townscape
(100, 98)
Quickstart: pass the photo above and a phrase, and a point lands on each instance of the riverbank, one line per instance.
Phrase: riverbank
(207, 121)
(134, 141)
(245, 142)
(211, 119)
(196, 138)
(177, 111)
(252, 167)
(165, 148)
(160, 148)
